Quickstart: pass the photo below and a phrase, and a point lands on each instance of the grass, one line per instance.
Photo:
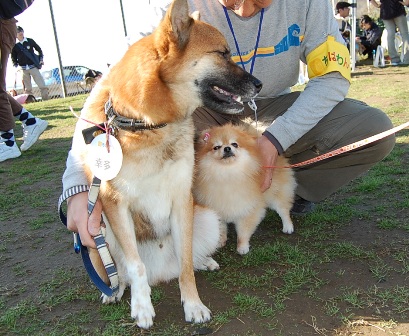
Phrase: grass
(345, 270)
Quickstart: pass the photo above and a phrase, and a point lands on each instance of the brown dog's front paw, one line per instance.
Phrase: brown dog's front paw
(143, 315)
(196, 312)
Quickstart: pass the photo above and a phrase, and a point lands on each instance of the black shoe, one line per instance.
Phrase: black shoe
(301, 206)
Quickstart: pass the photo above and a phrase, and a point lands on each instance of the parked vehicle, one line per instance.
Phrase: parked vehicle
(74, 77)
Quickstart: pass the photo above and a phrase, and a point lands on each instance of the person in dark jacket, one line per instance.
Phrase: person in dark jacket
(393, 15)
(371, 38)
(28, 56)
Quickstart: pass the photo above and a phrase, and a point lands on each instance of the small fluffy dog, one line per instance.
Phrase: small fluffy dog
(228, 180)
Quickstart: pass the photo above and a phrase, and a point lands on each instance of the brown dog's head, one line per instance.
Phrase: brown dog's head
(182, 65)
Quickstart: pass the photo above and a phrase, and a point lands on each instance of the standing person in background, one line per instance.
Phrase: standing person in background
(393, 15)
(342, 15)
(9, 107)
(30, 63)
(369, 42)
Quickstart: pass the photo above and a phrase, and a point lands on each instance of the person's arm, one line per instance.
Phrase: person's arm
(405, 2)
(319, 97)
(37, 48)
(324, 90)
(375, 37)
(75, 186)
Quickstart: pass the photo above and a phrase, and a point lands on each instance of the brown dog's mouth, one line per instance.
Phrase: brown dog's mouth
(227, 96)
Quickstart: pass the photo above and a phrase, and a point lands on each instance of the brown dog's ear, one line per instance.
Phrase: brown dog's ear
(181, 22)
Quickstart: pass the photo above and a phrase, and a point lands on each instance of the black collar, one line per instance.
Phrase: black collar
(133, 125)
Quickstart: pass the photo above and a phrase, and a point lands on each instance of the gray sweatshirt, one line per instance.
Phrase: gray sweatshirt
(290, 31)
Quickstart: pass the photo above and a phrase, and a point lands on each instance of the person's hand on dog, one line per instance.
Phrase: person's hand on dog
(269, 156)
(78, 221)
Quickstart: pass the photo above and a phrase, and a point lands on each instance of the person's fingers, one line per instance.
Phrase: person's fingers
(86, 238)
(268, 159)
(266, 180)
(77, 218)
(77, 211)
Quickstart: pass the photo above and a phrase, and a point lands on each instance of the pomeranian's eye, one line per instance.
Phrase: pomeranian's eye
(235, 144)
(216, 147)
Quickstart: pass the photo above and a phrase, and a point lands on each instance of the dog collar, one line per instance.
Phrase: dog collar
(133, 125)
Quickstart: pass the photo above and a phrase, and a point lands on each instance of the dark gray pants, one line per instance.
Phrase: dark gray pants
(348, 122)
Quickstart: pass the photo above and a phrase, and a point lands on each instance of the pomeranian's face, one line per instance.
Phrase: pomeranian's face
(226, 144)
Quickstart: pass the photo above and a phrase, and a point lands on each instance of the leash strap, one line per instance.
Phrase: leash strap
(102, 250)
(346, 148)
(99, 239)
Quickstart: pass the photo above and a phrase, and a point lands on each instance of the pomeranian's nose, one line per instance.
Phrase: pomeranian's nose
(227, 149)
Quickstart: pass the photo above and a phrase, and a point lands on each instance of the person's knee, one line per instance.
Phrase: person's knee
(384, 147)
(376, 121)
(379, 122)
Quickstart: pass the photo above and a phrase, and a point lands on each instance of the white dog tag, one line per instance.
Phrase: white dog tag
(105, 165)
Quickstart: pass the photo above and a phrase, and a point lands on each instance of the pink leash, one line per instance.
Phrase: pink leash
(346, 148)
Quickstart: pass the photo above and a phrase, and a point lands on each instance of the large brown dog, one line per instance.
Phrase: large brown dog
(148, 206)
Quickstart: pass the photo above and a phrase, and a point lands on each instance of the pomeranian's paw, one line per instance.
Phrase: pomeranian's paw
(208, 264)
(243, 248)
(211, 264)
(222, 241)
(288, 228)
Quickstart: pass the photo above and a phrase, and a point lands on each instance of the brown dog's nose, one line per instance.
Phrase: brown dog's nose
(258, 84)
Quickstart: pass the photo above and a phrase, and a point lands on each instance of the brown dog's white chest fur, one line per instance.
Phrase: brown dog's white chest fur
(154, 176)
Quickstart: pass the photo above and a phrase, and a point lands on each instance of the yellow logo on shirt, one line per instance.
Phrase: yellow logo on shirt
(329, 57)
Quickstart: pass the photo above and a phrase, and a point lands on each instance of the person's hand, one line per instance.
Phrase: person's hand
(78, 221)
(405, 2)
(269, 156)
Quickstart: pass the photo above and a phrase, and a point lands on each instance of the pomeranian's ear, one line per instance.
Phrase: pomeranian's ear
(204, 136)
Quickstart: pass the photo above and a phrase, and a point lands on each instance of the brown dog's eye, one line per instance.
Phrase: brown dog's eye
(225, 54)
(235, 144)
(216, 147)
